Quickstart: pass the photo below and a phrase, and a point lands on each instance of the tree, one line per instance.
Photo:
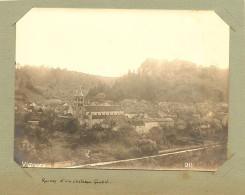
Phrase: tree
(157, 134)
(72, 126)
(145, 147)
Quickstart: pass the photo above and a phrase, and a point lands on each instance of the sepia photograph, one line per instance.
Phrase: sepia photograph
(121, 89)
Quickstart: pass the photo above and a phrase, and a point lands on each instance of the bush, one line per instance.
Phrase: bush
(157, 134)
(145, 147)
(72, 125)
(19, 129)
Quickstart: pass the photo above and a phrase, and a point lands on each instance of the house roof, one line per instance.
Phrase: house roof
(103, 108)
(33, 104)
(165, 120)
(131, 112)
(115, 119)
(153, 115)
(158, 120)
(150, 120)
(138, 123)
(206, 119)
(25, 142)
(99, 116)
(33, 121)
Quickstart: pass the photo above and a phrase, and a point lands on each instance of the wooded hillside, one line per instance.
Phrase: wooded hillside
(176, 81)
(44, 84)
(155, 81)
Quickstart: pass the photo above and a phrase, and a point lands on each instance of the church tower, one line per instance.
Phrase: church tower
(78, 104)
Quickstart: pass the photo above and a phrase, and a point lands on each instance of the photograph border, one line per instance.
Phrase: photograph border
(228, 179)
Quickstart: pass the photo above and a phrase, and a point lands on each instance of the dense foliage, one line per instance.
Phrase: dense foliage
(154, 81)
(43, 84)
(178, 81)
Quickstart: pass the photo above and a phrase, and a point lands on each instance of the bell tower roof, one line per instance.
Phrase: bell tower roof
(79, 92)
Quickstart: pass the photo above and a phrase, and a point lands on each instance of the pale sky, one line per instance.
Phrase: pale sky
(109, 42)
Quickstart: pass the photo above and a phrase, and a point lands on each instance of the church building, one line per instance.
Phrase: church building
(89, 114)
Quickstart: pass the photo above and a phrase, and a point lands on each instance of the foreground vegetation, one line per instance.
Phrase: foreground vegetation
(207, 159)
(58, 139)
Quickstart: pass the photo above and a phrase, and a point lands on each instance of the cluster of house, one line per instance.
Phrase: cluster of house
(109, 115)
(143, 126)
(112, 116)
(30, 107)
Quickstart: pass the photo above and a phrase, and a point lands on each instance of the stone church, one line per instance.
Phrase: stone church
(91, 115)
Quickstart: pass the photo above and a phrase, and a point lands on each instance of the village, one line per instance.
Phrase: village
(165, 125)
(109, 115)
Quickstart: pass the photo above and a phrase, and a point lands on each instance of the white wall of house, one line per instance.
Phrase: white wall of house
(130, 115)
(149, 125)
(92, 122)
(166, 123)
(106, 126)
(140, 129)
(106, 113)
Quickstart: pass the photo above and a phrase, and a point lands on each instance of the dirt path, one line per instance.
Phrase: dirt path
(166, 153)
